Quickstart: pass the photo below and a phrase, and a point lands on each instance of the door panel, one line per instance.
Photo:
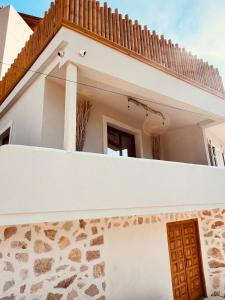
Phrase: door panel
(193, 260)
(185, 260)
(177, 261)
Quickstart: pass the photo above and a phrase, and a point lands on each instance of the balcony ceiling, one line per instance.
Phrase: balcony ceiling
(94, 86)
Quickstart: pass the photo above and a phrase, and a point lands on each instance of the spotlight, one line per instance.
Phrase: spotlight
(61, 54)
(83, 53)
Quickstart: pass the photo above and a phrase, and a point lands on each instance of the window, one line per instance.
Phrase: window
(113, 147)
(216, 155)
(5, 137)
(219, 157)
(120, 143)
(223, 155)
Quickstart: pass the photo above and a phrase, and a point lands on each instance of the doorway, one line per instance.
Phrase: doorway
(185, 260)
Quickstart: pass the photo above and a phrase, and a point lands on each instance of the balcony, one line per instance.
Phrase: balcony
(49, 119)
(176, 132)
(40, 185)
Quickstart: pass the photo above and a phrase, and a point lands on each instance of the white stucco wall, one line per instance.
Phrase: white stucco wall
(60, 185)
(94, 137)
(14, 32)
(4, 15)
(185, 145)
(26, 115)
(216, 140)
(53, 115)
(137, 262)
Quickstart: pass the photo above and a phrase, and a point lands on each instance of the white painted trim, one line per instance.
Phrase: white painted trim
(10, 127)
(124, 127)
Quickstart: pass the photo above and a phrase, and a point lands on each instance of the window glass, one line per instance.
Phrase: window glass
(120, 143)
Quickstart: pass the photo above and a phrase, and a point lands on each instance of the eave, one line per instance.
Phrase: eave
(154, 51)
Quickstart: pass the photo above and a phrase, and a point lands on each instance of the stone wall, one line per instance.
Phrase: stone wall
(52, 261)
(66, 260)
(212, 224)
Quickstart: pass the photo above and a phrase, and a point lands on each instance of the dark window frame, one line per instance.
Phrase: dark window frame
(122, 134)
(5, 137)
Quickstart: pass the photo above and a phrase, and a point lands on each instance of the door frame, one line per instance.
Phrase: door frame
(107, 121)
(122, 134)
(195, 220)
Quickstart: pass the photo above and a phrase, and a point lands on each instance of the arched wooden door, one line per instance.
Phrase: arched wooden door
(185, 260)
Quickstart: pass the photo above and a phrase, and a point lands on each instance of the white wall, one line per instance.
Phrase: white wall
(137, 263)
(185, 145)
(53, 115)
(94, 137)
(14, 32)
(4, 15)
(216, 140)
(60, 185)
(26, 115)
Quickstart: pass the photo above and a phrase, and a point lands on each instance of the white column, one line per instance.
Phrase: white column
(70, 108)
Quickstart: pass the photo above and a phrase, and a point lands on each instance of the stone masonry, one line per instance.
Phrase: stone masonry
(52, 261)
(64, 260)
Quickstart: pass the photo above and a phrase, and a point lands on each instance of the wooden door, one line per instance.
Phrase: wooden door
(185, 260)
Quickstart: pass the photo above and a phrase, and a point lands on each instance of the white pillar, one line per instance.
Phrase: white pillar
(70, 108)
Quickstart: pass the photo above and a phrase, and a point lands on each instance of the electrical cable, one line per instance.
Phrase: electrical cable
(106, 90)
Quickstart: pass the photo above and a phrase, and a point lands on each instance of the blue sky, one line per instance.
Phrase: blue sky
(197, 25)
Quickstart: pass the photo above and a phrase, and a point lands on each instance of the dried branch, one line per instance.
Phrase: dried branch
(83, 114)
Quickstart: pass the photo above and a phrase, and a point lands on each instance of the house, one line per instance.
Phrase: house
(111, 160)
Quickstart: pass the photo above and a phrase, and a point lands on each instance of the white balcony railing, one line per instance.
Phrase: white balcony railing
(38, 184)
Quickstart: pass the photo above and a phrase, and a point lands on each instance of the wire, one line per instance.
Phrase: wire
(105, 90)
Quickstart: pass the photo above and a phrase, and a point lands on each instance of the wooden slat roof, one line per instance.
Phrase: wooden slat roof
(98, 22)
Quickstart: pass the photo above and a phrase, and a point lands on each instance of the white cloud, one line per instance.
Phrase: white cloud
(208, 41)
(197, 25)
